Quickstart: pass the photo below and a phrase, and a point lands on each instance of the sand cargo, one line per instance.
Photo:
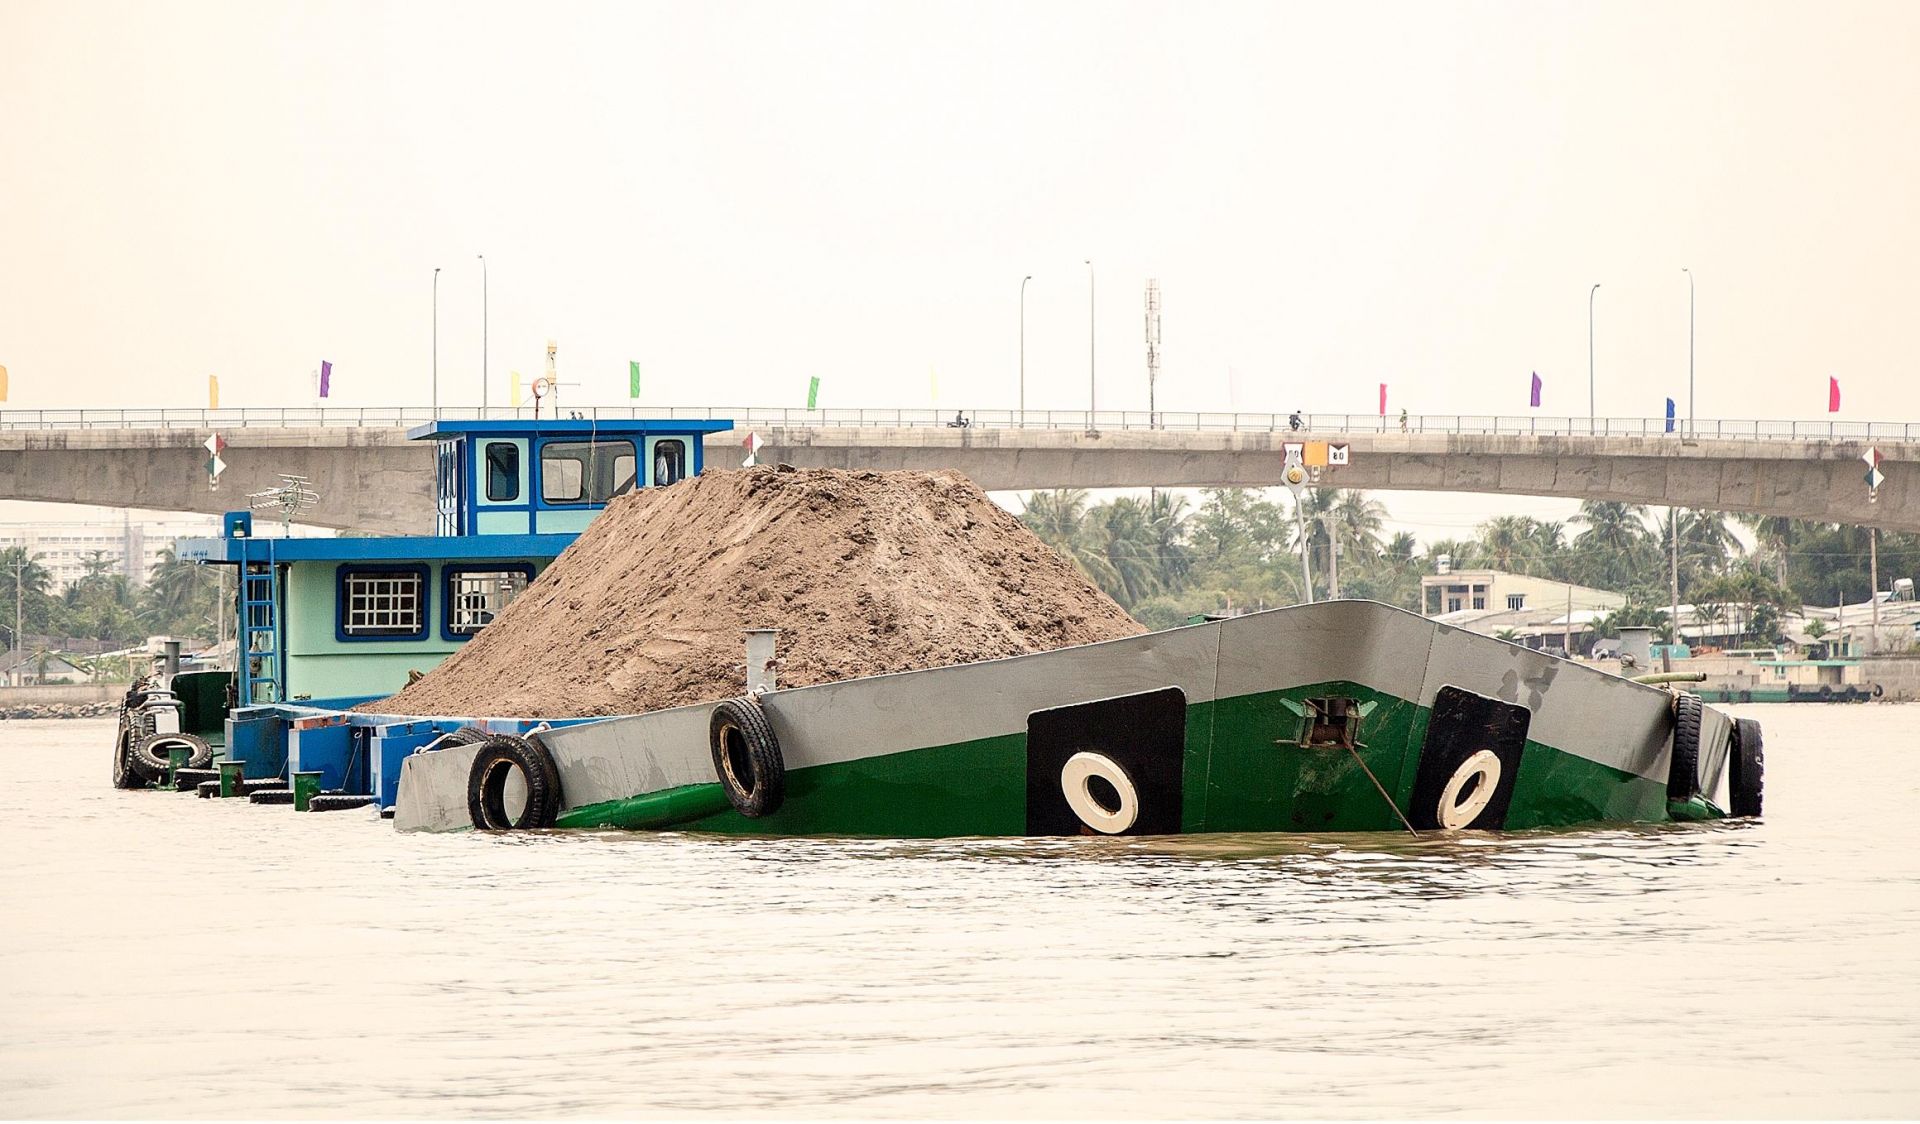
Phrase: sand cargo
(891, 654)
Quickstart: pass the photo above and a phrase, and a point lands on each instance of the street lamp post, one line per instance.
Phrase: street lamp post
(436, 342)
(1689, 274)
(1590, 410)
(1090, 363)
(1023, 347)
(485, 378)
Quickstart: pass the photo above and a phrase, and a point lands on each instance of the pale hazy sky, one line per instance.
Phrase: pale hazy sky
(742, 196)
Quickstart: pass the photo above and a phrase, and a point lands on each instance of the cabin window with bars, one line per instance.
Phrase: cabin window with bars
(383, 603)
(476, 596)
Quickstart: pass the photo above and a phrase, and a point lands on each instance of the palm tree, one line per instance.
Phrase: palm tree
(1614, 545)
(1056, 516)
(1509, 542)
(1357, 520)
(1167, 520)
(1121, 537)
(1773, 534)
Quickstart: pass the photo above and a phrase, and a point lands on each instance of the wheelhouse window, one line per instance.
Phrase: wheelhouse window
(586, 471)
(475, 596)
(669, 462)
(382, 603)
(503, 471)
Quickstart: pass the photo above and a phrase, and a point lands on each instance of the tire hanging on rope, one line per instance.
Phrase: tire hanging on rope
(513, 785)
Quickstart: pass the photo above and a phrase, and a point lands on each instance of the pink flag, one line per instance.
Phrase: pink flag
(1833, 394)
(1383, 400)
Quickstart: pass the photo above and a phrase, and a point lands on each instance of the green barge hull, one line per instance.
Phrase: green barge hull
(1341, 716)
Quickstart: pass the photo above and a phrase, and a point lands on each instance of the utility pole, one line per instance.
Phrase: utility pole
(1673, 540)
(1566, 632)
(1689, 273)
(1090, 364)
(19, 569)
(1591, 416)
(1023, 348)
(485, 378)
(1153, 348)
(1306, 568)
(436, 343)
(1873, 556)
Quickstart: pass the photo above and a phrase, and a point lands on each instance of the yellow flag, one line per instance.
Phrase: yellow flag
(213, 392)
(3, 384)
(515, 400)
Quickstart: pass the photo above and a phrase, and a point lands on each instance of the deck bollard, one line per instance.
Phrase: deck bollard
(306, 786)
(177, 757)
(232, 774)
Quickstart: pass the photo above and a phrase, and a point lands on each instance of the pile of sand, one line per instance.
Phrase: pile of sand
(862, 572)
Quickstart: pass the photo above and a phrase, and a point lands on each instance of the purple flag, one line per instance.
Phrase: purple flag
(1535, 400)
(326, 380)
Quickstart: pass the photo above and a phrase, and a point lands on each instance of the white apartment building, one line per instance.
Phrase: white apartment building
(133, 545)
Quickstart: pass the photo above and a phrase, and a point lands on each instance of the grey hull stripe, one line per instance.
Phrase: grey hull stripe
(1580, 711)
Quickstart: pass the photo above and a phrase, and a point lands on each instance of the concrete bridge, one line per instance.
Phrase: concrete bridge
(371, 478)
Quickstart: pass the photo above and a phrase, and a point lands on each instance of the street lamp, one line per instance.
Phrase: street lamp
(485, 378)
(436, 343)
(1689, 274)
(1090, 365)
(1590, 411)
(1023, 347)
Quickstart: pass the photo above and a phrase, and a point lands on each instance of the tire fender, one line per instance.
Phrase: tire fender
(150, 753)
(746, 757)
(504, 762)
(1748, 760)
(1683, 776)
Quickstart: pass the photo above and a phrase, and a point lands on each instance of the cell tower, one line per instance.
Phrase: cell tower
(1153, 346)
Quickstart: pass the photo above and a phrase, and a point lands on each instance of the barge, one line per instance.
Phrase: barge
(1343, 716)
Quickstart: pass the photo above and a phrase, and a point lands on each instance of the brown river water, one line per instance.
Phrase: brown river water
(167, 956)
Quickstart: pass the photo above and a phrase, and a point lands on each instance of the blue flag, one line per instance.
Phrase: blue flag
(1669, 415)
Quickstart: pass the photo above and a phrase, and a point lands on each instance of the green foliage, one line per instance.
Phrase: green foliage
(1240, 549)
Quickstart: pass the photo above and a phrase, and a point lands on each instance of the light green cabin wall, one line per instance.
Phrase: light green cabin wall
(322, 666)
(562, 522)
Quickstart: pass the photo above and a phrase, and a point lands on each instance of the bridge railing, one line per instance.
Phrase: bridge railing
(394, 417)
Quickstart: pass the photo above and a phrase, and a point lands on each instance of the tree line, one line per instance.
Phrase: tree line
(1166, 563)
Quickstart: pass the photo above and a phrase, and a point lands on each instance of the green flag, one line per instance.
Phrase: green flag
(813, 392)
(633, 378)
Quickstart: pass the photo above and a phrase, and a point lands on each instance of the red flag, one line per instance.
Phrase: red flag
(1383, 400)
(1833, 394)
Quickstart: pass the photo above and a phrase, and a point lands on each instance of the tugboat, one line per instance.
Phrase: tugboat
(327, 623)
(1343, 716)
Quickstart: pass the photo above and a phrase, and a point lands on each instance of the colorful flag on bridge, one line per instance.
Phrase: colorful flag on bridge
(326, 377)
(3, 384)
(1535, 399)
(633, 378)
(813, 392)
(1669, 415)
(1833, 394)
(213, 392)
(1383, 400)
